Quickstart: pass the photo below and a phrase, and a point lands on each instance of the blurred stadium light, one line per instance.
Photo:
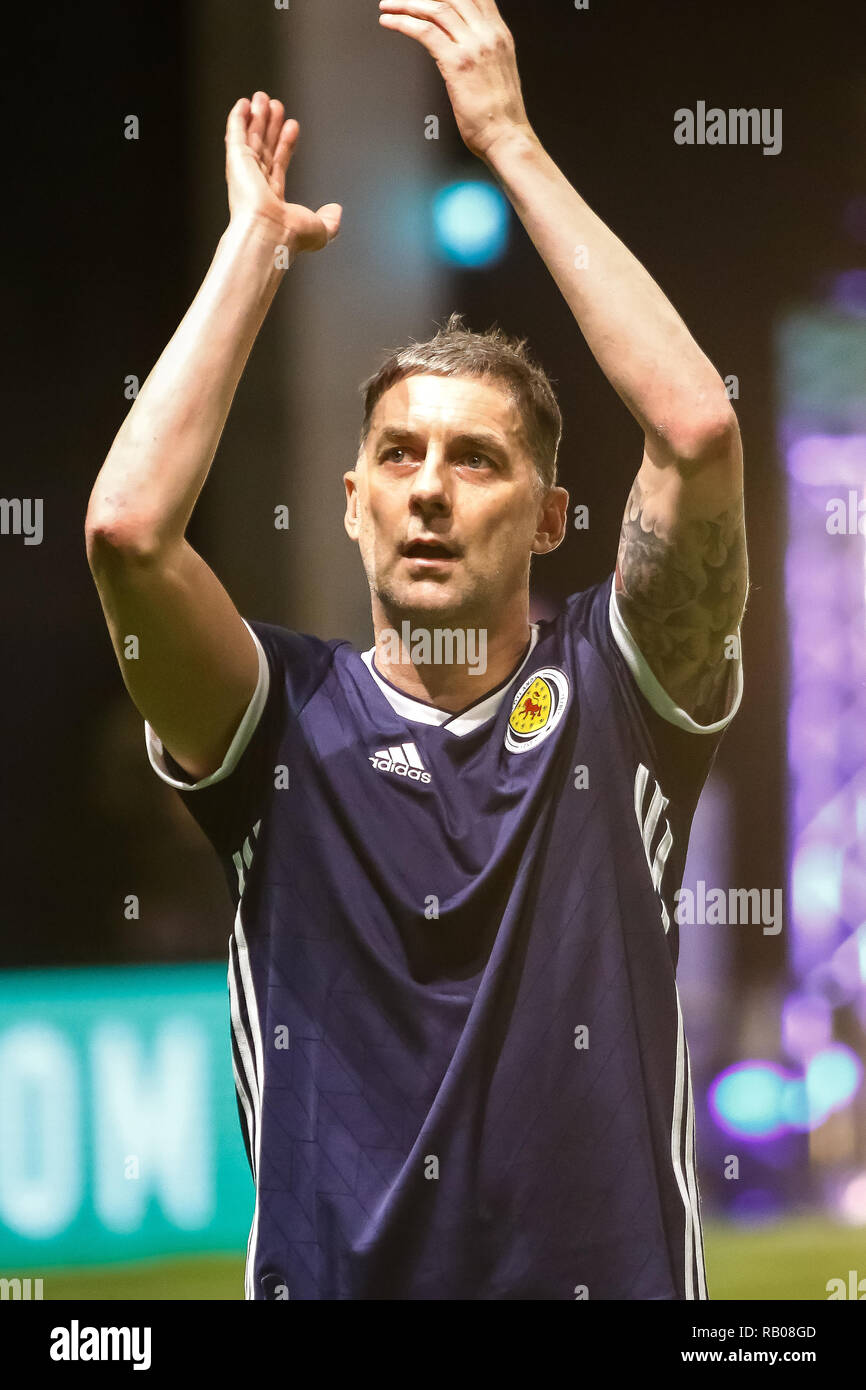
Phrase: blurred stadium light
(471, 220)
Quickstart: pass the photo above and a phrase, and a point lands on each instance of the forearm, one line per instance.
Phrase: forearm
(636, 336)
(148, 485)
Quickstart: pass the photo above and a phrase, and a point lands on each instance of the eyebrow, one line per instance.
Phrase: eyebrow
(472, 439)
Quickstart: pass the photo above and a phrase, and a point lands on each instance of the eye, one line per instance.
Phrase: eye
(478, 460)
(395, 449)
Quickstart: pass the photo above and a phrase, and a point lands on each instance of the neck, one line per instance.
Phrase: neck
(445, 662)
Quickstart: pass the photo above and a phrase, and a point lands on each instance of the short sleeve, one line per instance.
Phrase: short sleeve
(230, 800)
(682, 750)
(653, 692)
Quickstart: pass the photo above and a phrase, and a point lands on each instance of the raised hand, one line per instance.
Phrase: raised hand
(474, 51)
(259, 147)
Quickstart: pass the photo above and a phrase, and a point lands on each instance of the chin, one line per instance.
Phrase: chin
(423, 597)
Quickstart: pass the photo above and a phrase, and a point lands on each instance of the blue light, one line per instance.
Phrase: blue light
(832, 1078)
(471, 223)
(747, 1100)
(794, 1105)
(760, 1101)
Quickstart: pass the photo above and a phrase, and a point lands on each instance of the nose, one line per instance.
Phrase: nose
(429, 490)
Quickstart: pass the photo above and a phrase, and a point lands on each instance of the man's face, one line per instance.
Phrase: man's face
(445, 463)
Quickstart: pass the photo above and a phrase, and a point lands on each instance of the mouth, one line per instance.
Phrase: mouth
(429, 552)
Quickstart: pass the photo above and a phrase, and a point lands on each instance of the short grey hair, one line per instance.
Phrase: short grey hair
(456, 351)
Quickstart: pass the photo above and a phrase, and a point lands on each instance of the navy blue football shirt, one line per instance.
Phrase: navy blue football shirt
(457, 1039)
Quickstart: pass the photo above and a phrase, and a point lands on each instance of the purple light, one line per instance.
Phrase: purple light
(848, 965)
(816, 883)
(825, 577)
(848, 292)
(753, 1206)
(827, 461)
(807, 1025)
(850, 1200)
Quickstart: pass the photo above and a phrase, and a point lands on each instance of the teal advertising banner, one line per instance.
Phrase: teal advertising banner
(119, 1134)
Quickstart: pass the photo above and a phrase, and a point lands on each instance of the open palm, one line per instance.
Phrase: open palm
(259, 147)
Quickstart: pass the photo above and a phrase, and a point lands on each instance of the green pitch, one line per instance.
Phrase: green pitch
(792, 1260)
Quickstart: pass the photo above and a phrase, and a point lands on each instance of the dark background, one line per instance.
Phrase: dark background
(731, 235)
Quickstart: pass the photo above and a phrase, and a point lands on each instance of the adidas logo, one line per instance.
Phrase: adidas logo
(404, 759)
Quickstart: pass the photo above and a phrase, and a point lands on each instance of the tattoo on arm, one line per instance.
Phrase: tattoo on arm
(681, 591)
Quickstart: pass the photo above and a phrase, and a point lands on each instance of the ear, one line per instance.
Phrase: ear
(552, 521)
(351, 520)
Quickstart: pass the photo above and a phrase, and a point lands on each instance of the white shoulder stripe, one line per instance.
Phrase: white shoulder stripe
(657, 805)
(648, 826)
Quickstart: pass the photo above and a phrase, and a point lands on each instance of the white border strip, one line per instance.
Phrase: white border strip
(255, 1029)
(649, 686)
(415, 711)
(676, 1142)
(683, 1099)
(692, 1177)
(251, 1092)
(245, 731)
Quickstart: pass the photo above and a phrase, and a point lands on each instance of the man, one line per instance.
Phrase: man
(457, 1041)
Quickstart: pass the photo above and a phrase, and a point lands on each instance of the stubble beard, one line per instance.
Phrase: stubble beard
(397, 605)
